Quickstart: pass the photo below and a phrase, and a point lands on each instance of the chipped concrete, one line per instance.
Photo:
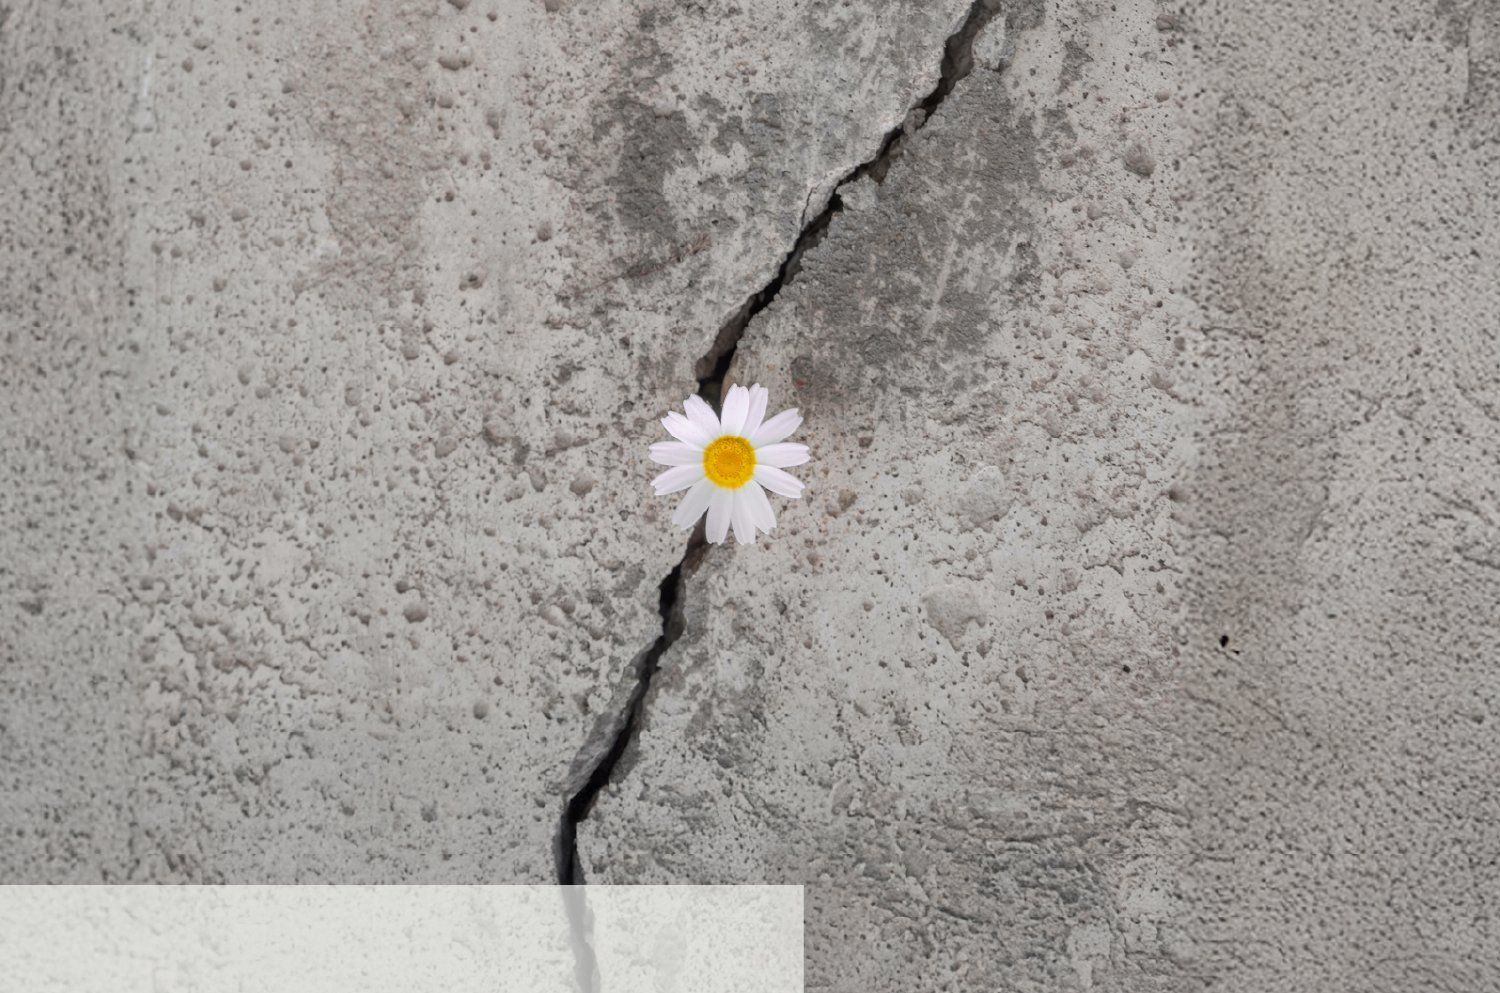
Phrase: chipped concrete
(1135, 632)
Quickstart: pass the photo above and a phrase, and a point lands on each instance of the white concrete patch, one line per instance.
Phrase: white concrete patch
(399, 938)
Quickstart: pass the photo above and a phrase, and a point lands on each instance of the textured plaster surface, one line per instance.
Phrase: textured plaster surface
(331, 339)
(938, 696)
(1140, 632)
(1137, 629)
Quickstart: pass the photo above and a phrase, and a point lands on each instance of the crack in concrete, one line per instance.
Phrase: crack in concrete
(958, 62)
(711, 370)
(624, 721)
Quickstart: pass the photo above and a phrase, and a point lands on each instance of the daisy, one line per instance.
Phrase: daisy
(724, 463)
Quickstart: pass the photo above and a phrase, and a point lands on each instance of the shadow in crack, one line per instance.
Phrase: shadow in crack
(569, 869)
(619, 728)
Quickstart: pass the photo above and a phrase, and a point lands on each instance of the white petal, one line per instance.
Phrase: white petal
(777, 481)
(736, 405)
(778, 428)
(685, 430)
(760, 507)
(701, 414)
(719, 507)
(676, 453)
(676, 479)
(694, 504)
(758, 397)
(781, 456)
(744, 517)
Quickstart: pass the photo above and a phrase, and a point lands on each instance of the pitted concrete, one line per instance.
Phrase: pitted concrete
(1136, 632)
(1344, 519)
(936, 696)
(1132, 639)
(331, 342)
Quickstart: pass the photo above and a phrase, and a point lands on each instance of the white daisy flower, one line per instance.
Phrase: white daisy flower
(724, 463)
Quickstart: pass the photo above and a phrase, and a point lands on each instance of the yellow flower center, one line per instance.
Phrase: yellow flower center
(729, 462)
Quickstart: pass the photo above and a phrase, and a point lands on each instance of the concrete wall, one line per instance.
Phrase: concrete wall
(1136, 632)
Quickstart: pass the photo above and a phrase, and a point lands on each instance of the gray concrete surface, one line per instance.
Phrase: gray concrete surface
(1143, 633)
(1137, 631)
(332, 339)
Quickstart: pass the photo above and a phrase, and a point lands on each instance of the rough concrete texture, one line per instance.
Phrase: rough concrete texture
(1136, 632)
(332, 339)
(1140, 634)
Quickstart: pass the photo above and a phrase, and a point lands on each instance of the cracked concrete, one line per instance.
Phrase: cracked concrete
(1136, 630)
(331, 339)
(1039, 683)
(883, 700)
(613, 737)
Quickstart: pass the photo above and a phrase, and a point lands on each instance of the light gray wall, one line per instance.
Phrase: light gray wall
(1137, 631)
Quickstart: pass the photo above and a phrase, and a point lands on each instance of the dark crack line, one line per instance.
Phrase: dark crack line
(710, 370)
(958, 62)
(569, 869)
